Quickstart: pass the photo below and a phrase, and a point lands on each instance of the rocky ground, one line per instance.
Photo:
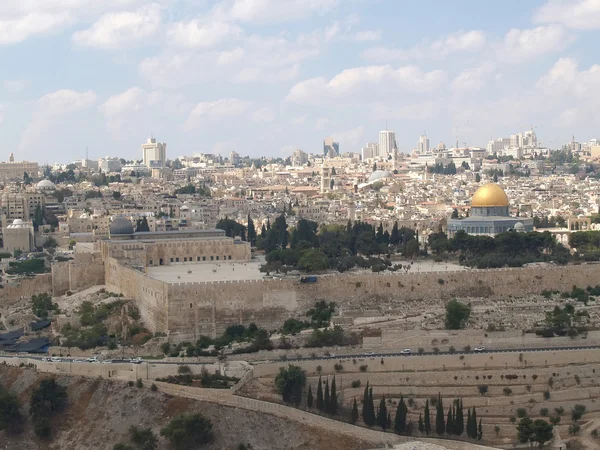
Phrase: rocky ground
(101, 411)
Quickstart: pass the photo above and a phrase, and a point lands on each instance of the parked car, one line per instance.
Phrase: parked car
(311, 279)
(137, 360)
(93, 359)
(55, 359)
(479, 349)
(406, 351)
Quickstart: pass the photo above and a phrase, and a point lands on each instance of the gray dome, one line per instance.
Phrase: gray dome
(519, 227)
(121, 226)
(46, 185)
(379, 174)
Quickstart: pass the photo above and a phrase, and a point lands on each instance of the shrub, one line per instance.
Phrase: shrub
(436, 350)
(153, 388)
(183, 369)
(139, 383)
(574, 428)
(577, 412)
(338, 367)
(577, 379)
(363, 368)
(560, 410)
(528, 387)
(507, 391)
(497, 430)
(452, 349)
(555, 420)
(513, 419)
(130, 383)
(521, 412)
(319, 369)
(356, 383)
(49, 398)
(544, 412)
(144, 438)
(550, 382)
(188, 431)
(467, 348)
(483, 388)
(534, 376)
(421, 350)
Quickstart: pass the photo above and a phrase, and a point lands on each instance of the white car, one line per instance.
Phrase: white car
(92, 360)
(137, 360)
(55, 359)
(479, 349)
(406, 351)
(370, 354)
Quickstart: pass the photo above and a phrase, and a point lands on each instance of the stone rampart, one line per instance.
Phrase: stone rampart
(12, 291)
(86, 270)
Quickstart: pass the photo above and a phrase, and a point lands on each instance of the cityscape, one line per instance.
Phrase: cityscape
(246, 277)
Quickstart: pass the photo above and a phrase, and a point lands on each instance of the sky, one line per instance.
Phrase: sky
(265, 77)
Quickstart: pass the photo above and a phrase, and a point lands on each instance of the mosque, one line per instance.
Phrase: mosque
(489, 215)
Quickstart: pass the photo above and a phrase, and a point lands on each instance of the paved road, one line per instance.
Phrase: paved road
(332, 356)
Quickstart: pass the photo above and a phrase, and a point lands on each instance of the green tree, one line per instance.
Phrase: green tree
(421, 424)
(142, 225)
(449, 422)
(309, 397)
(524, 430)
(320, 402)
(382, 414)
(427, 418)
(38, 217)
(440, 426)
(10, 416)
(473, 424)
(354, 414)
(313, 260)
(327, 398)
(144, 438)
(365, 408)
(49, 398)
(400, 419)
(333, 401)
(542, 432)
(251, 231)
(395, 236)
(480, 432)
(477, 178)
(454, 214)
(469, 422)
(457, 314)
(188, 431)
(290, 383)
(459, 420)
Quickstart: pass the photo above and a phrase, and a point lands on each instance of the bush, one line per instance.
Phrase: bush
(49, 398)
(550, 382)
(183, 369)
(507, 391)
(421, 350)
(555, 420)
(188, 431)
(319, 369)
(544, 412)
(513, 419)
(356, 383)
(338, 367)
(10, 416)
(139, 383)
(560, 410)
(521, 412)
(130, 383)
(363, 368)
(467, 348)
(144, 438)
(452, 350)
(483, 388)
(153, 388)
(577, 412)
(436, 350)
(546, 395)
(574, 428)
(457, 314)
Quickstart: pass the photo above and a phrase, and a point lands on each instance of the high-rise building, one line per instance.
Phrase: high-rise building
(423, 144)
(109, 164)
(234, 158)
(154, 153)
(299, 158)
(369, 151)
(387, 143)
(330, 149)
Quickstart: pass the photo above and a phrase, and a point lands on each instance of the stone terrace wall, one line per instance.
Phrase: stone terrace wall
(11, 292)
(86, 270)
(149, 294)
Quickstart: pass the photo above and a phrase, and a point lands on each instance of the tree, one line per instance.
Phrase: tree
(440, 426)
(142, 225)
(144, 438)
(457, 314)
(477, 178)
(382, 414)
(327, 398)
(365, 409)
(473, 434)
(290, 383)
(354, 414)
(116, 195)
(480, 432)
(525, 430)
(50, 243)
(320, 395)
(188, 431)
(427, 418)
(48, 398)
(38, 217)
(333, 401)
(542, 432)
(449, 422)
(10, 416)
(400, 420)
(395, 236)
(421, 424)
(454, 214)
(313, 260)
(469, 422)
(309, 397)
(459, 420)
(251, 231)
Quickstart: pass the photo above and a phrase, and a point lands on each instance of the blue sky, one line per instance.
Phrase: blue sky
(264, 77)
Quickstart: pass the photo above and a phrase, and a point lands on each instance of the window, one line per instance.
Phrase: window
(190, 306)
(185, 259)
(217, 258)
(150, 262)
(171, 259)
(176, 259)
(229, 257)
(212, 258)
(204, 258)
(198, 259)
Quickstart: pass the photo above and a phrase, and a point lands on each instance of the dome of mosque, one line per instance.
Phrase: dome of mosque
(121, 226)
(46, 185)
(379, 174)
(489, 194)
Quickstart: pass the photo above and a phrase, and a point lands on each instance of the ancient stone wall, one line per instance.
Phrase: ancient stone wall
(85, 271)
(12, 291)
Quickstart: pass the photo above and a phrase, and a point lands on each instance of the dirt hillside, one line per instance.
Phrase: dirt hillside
(101, 411)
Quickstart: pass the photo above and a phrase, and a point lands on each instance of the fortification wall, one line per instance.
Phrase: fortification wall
(86, 270)
(11, 292)
(150, 295)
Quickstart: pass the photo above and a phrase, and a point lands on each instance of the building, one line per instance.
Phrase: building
(299, 158)
(234, 159)
(369, 151)
(154, 153)
(325, 179)
(387, 143)
(330, 149)
(489, 215)
(166, 248)
(109, 164)
(19, 235)
(423, 144)
(12, 170)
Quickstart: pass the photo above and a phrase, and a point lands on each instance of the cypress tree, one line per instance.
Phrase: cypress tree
(333, 404)
(459, 421)
(354, 415)
(421, 424)
(382, 414)
(309, 397)
(326, 398)
(449, 422)
(440, 426)
(473, 434)
(480, 431)
(427, 418)
(400, 420)
(372, 416)
(389, 420)
(365, 407)
(320, 395)
(469, 419)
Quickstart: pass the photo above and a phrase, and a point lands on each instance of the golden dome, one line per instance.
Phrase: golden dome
(489, 194)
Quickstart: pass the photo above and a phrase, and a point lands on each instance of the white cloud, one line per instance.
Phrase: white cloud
(566, 80)
(365, 36)
(263, 115)
(321, 123)
(522, 45)
(115, 30)
(15, 85)
(230, 56)
(50, 111)
(14, 30)
(576, 14)
(416, 111)
(567, 118)
(225, 147)
(211, 111)
(349, 138)
(300, 119)
(369, 78)
(254, 74)
(132, 99)
(461, 41)
(272, 11)
(472, 79)
(196, 34)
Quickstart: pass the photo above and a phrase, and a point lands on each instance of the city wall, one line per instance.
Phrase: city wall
(86, 270)
(11, 292)
(188, 310)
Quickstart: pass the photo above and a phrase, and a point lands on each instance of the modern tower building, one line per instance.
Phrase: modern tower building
(423, 144)
(154, 153)
(387, 143)
(369, 151)
(330, 149)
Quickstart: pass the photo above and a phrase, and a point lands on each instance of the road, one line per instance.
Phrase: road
(332, 356)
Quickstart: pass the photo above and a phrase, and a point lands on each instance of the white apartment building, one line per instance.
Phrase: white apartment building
(369, 151)
(154, 153)
(109, 164)
(387, 143)
(423, 144)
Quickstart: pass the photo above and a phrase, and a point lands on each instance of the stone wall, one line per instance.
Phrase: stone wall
(86, 270)
(12, 291)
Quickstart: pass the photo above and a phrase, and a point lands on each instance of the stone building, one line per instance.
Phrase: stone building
(489, 215)
(18, 235)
